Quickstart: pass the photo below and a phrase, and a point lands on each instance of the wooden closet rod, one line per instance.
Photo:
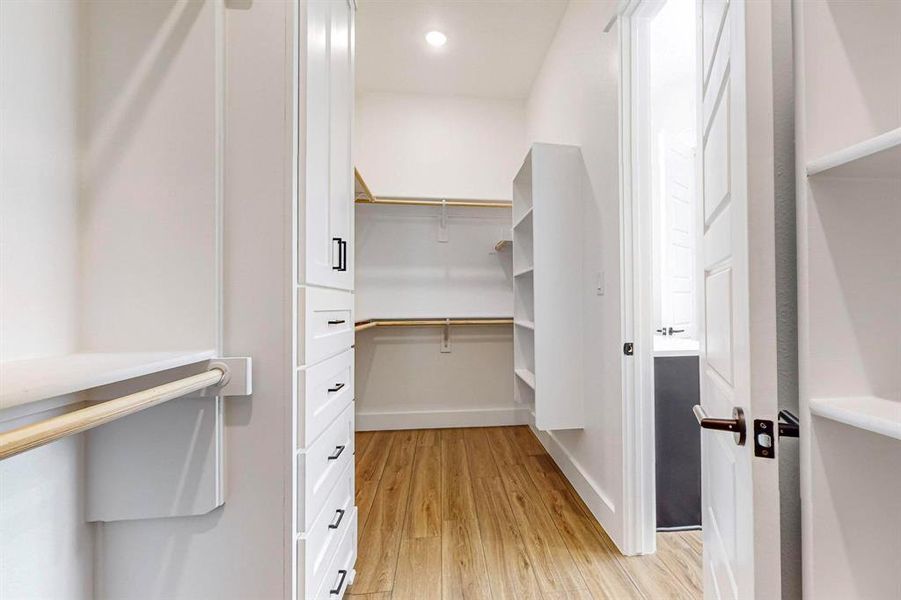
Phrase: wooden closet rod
(429, 202)
(365, 196)
(49, 430)
(363, 325)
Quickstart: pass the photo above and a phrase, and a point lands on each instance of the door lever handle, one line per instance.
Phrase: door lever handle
(736, 424)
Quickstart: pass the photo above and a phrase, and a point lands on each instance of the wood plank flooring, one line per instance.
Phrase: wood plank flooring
(484, 513)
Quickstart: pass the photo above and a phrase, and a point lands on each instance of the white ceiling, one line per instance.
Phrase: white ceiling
(494, 47)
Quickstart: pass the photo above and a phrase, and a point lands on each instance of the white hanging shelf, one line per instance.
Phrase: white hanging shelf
(29, 380)
(869, 413)
(879, 157)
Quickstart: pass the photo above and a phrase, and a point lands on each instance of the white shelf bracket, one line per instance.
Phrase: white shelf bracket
(445, 337)
(442, 224)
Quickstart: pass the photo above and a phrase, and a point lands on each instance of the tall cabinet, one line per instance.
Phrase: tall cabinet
(548, 324)
(848, 71)
(325, 518)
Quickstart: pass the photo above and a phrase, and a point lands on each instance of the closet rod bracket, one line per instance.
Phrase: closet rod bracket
(237, 380)
(445, 338)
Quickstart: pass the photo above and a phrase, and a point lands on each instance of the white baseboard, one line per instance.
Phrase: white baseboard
(598, 503)
(429, 419)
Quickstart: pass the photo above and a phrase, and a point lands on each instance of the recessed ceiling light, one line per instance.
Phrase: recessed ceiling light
(436, 38)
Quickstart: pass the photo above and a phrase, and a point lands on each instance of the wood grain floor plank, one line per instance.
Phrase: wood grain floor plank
(510, 571)
(424, 512)
(478, 451)
(526, 441)
(456, 485)
(371, 460)
(503, 448)
(429, 437)
(555, 568)
(464, 575)
(682, 562)
(361, 440)
(418, 570)
(604, 575)
(384, 526)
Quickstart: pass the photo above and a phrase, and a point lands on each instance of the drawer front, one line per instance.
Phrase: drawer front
(319, 546)
(325, 324)
(340, 573)
(323, 392)
(320, 466)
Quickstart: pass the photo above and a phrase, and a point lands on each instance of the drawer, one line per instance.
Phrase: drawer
(323, 391)
(317, 548)
(320, 465)
(340, 573)
(325, 324)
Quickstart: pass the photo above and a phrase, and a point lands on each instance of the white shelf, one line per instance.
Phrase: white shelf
(527, 377)
(878, 157)
(877, 415)
(24, 381)
(524, 323)
(523, 218)
(522, 272)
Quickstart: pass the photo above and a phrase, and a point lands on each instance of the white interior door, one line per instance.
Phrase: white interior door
(678, 278)
(737, 304)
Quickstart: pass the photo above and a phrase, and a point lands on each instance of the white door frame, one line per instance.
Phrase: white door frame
(639, 451)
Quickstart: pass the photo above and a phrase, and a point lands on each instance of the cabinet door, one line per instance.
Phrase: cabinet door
(319, 251)
(341, 191)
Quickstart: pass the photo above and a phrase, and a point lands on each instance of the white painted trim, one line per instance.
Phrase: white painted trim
(434, 419)
(600, 505)
(639, 447)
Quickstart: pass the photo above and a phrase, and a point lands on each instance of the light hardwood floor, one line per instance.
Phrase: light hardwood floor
(486, 513)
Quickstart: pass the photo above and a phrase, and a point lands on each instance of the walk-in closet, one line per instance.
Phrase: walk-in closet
(450, 300)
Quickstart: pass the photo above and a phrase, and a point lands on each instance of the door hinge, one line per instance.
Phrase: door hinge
(764, 439)
(629, 348)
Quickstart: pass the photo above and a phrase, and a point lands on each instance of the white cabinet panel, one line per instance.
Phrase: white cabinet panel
(323, 391)
(320, 466)
(325, 324)
(326, 166)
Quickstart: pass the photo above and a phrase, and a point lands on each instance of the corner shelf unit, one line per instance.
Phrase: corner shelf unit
(849, 215)
(547, 337)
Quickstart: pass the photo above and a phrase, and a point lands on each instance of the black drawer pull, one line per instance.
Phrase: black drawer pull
(337, 322)
(337, 590)
(337, 388)
(339, 450)
(337, 523)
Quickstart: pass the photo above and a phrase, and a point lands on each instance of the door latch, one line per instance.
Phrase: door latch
(764, 439)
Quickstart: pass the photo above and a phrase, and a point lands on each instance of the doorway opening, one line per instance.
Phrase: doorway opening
(660, 139)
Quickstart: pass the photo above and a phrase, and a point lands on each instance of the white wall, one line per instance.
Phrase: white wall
(442, 147)
(45, 546)
(574, 100)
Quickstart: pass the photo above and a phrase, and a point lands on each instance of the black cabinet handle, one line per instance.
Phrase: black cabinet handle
(337, 321)
(337, 388)
(337, 590)
(340, 263)
(338, 451)
(337, 523)
(342, 247)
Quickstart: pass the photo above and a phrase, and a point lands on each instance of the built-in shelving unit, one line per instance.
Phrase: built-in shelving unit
(23, 381)
(849, 214)
(547, 337)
